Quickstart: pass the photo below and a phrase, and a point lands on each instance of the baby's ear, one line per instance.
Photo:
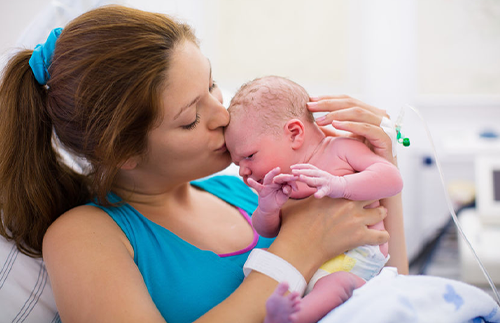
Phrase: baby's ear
(295, 131)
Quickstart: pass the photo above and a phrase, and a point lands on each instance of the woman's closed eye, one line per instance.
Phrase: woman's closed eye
(212, 86)
(193, 124)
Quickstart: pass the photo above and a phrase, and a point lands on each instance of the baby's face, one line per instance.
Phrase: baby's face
(255, 152)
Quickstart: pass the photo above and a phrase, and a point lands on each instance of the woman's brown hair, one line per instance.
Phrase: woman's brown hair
(102, 99)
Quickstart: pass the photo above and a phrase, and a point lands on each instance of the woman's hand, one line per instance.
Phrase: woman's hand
(316, 230)
(360, 119)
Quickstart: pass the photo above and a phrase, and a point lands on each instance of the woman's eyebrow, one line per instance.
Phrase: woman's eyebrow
(187, 106)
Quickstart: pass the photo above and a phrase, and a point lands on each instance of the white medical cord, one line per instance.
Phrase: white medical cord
(450, 206)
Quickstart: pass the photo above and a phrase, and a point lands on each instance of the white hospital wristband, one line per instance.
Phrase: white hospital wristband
(276, 268)
(388, 126)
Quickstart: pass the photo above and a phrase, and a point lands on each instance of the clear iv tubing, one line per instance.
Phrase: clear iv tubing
(450, 205)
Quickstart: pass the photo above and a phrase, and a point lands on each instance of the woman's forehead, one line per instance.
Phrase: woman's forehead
(188, 77)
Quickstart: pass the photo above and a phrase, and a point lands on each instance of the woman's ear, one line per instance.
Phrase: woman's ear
(295, 131)
(129, 164)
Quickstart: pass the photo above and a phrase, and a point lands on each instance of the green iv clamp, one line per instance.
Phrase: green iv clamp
(399, 124)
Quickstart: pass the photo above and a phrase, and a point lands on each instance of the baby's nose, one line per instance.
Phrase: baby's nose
(244, 171)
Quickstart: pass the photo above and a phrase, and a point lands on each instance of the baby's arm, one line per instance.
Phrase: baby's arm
(273, 193)
(373, 177)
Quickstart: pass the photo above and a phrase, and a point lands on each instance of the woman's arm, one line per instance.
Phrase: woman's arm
(305, 241)
(94, 278)
(395, 226)
(92, 271)
(363, 120)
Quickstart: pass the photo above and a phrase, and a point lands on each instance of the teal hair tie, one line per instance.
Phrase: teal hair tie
(42, 57)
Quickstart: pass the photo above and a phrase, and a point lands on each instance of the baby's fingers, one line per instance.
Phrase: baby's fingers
(303, 166)
(287, 190)
(284, 179)
(321, 192)
(254, 184)
(310, 173)
(312, 181)
(268, 179)
(288, 180)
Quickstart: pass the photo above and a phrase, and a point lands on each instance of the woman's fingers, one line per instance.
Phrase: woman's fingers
(332, 103)
(331, 132)
(371, 217)
(312, 224)
(328, 103)
(354, 117)
(324, 97)
(356, 114)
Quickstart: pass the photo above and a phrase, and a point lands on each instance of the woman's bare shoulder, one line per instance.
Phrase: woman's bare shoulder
(92, 270)
(83, 225)
(81, 218)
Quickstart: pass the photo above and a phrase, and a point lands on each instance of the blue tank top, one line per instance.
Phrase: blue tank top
(185, 282)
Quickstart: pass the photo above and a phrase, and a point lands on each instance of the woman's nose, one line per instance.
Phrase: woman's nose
(219, 116)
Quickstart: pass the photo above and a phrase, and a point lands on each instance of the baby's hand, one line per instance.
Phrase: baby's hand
(325, 183)
(274, 191)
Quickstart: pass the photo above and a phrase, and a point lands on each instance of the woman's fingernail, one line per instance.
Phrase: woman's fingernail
(314, 98)
(312, 104)
(321, 118)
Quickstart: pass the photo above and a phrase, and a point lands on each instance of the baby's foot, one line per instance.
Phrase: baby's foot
(282, 308)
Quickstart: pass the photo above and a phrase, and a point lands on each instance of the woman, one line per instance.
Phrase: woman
(131, 92)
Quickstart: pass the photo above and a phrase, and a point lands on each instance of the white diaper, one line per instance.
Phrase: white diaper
(365, 262)
(369, 261)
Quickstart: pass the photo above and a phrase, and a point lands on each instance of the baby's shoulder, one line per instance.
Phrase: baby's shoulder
(342, 145)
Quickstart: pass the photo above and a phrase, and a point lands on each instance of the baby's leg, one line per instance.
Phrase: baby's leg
(282, 308)
(328, 293)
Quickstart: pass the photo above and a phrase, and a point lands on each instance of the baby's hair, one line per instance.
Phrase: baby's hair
(274, 98)
(102, 99)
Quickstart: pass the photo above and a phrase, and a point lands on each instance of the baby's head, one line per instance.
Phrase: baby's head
(266, 115)
(273, 100)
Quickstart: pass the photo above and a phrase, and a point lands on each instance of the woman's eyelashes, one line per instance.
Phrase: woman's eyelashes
(212, 86)
(193, 124)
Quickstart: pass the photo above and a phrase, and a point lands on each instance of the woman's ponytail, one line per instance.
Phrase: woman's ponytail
(35, 187)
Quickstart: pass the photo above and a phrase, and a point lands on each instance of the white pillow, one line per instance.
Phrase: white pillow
(25, 291)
